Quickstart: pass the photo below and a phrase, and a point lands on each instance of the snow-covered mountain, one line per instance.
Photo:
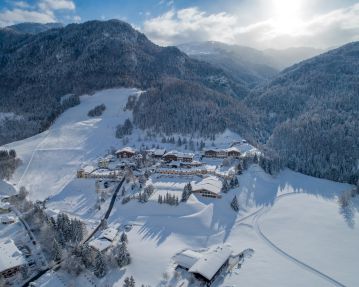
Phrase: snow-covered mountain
(33, 28)
(38, 70)
(246, 64)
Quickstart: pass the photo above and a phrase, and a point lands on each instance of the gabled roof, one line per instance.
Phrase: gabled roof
(179, 154)
(187, 258)
(211, 261)
(211, 183)
(109, 234)
(11, 256)
(100, 244)
(126, 149)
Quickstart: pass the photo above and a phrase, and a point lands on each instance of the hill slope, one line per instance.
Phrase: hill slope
(37, 70)
(310, 114)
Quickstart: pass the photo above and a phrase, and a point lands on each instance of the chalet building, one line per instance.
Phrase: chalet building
(182, 171)
(178, 156)
(156, 153)
(126, 152)
(105, 240)
(11, 259)
(222, 153)
(208, 187)
(205, 266)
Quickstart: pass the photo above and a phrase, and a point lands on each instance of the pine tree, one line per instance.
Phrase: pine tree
(100, 266)
(124, 237)
(132, 282)
(56, 251)
(187, 191)
(122, 255)
(234, 204)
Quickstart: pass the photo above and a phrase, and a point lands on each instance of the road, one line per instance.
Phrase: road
(107, 215)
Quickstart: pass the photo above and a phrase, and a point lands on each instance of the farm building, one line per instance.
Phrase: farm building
(126, 152)
(11, 259)
(207, 265)
(178, 156)
(208, 187)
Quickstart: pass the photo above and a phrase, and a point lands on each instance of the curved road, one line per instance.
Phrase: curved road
(263, 210)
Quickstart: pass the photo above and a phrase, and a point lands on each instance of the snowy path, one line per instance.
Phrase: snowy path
(263, 210)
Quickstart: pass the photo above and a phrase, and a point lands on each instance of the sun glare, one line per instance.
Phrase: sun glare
(287, 15)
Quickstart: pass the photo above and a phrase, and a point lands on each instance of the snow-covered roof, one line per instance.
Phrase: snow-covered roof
(4, 205)
(157, 151)
(6, 218)
(179, 154)
(232, 149)
(100, 244)
(109, 233)
(187, 258)
(11, 256)
(211, 261)
(211, 183)
(126, 149)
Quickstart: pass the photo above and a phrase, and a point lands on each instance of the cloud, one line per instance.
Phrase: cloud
(191, 24)
(10, 17)
(43, 11)
(56, 5)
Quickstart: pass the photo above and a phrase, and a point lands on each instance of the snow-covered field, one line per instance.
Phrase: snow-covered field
(291, 221)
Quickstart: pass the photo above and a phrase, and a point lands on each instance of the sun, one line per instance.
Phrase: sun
(287, 15)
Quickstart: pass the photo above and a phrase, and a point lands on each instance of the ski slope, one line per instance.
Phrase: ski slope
(50, 159)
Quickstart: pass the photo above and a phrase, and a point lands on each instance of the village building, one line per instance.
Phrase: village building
(178, 156)
(103, 162)
(156, 153)
(126, 152)
(222, 153)
(208, 187)
(85, 171)
(104, 241)
(4, 207)
(205, 266)
(11, 259)
(7, 219)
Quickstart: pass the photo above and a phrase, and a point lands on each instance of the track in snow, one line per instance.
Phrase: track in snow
(278, 250)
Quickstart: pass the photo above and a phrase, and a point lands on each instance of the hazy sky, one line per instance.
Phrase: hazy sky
(257, 23)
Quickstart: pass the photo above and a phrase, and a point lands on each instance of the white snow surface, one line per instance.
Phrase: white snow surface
(291, 221)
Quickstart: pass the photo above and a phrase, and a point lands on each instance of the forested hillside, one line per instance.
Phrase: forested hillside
(310, 114)
(189, 108)
(36, 71)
